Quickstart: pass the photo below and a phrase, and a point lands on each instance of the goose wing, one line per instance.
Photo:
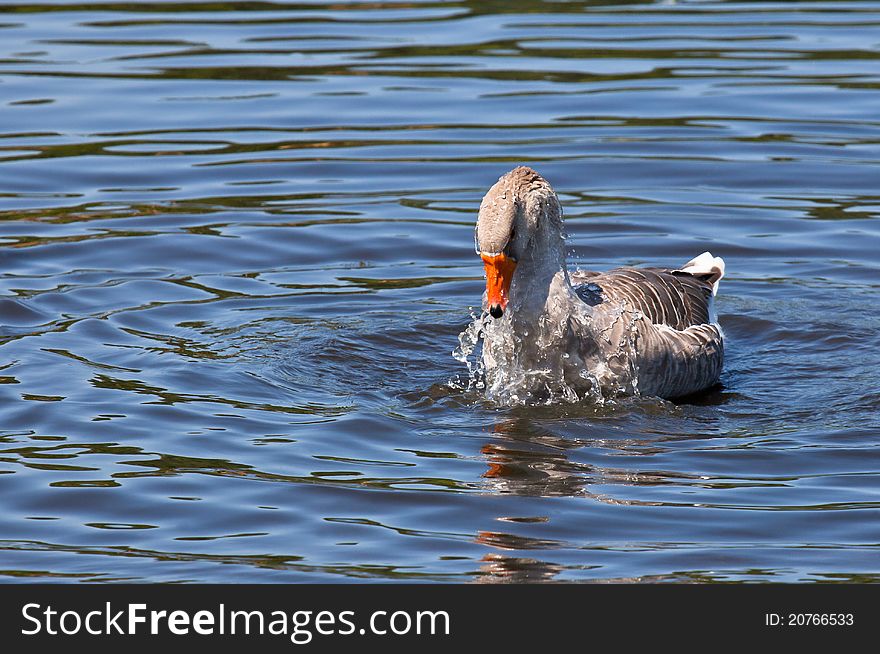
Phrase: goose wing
(681, 349)
(674, 298)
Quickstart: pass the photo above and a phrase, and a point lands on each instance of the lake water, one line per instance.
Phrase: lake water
(236, 252)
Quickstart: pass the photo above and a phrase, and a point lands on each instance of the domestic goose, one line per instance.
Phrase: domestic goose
(650, 331)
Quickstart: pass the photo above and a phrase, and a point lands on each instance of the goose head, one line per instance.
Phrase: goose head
(518, 236)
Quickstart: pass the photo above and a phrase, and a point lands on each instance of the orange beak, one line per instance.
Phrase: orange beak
(499, 272)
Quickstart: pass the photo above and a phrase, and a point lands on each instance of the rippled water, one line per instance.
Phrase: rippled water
(236, 252)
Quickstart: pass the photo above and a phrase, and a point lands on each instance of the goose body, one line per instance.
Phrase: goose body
(650, 331)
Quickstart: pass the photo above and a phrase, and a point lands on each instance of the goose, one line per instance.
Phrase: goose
(549, 332)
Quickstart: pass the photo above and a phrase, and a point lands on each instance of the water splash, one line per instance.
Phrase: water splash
(468, 340)
(560, 357)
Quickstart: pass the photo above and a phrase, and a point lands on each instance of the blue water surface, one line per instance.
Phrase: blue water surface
(236, 252)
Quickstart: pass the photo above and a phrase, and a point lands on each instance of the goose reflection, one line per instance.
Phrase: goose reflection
(530, 462)
(500, 569)
(525, 458)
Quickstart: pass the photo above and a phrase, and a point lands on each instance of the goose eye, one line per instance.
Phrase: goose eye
(508, 249)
